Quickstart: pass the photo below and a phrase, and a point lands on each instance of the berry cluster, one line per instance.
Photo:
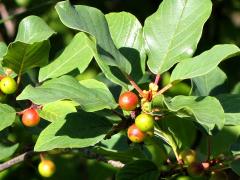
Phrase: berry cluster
(144, 122)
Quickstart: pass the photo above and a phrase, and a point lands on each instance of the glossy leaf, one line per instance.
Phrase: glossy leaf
(230, 104)
(77, 130)
(77, 54)
(21, 56)
(33, 29)
(31, 46)
(171, 33)
(86, 19)
(209, 84)
(126, 32)
(91, 94)
(222, 141)
(181, 130)
(235, 166)
(207, 111)
(7, 151)
(139, 170)
(3, 49)
(57, 110)
(8, 115)
(203, 63)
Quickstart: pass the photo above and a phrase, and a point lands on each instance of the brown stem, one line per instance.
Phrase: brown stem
(139, 90)
(16, 160)
(208, 148)
(8, 24)
(161, 91)
(157, 79)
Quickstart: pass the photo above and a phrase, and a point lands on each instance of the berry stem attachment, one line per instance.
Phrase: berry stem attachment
(18, 79)
(157, 79)
(161, 91)
(139, 90)
(42, 156)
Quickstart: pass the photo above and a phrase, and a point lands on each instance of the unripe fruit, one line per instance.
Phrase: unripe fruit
(135, 135)
(195, 169)
(46, 168)
(8, 85)
(30, 117)
(145, 122)
(128, 101)
(188, 156)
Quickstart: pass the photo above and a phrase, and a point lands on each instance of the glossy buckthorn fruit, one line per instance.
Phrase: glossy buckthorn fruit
(145, 122)
(128, 101)
(188, 156)
(8, 85)
(30, 117)
(135, 134)
(46, 168)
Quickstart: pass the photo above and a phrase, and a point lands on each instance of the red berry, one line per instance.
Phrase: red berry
(128, 101)
(30, 117)
(135, 134)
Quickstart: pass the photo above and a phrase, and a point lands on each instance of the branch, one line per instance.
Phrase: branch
(157, 79)
(16, 160)
(139, 90)
(164, 89)
(10, 27)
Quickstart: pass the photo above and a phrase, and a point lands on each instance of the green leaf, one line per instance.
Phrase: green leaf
(171, 34)
(77, 54)
(21, 56)
(33, 29)
(230, 104)
(126, 32)
(203, 63)
(222, 141)
(207, 111)
(31, 46)
(236, 89)
(235, 166)
(7, 151)
(209, 84)
(181, 130)
(139, 170)
(86, 19)
(78, 130)
(8, 115)
(3, 49)
(91, 94)
(57, 110)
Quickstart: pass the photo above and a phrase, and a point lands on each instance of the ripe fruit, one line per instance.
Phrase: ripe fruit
(46, 168)
(128, 101)
(195, 169)
(188, 156)
(8, 85)
(135, 135)
(144, 122)
(30, 117)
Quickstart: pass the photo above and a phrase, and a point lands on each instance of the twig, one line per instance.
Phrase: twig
(139, 90)
(16, 160)
(164, 89)
(157, 79)
(8, 24)
(208, 148)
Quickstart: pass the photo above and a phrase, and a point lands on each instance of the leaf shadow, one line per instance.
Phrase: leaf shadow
(83, 125)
